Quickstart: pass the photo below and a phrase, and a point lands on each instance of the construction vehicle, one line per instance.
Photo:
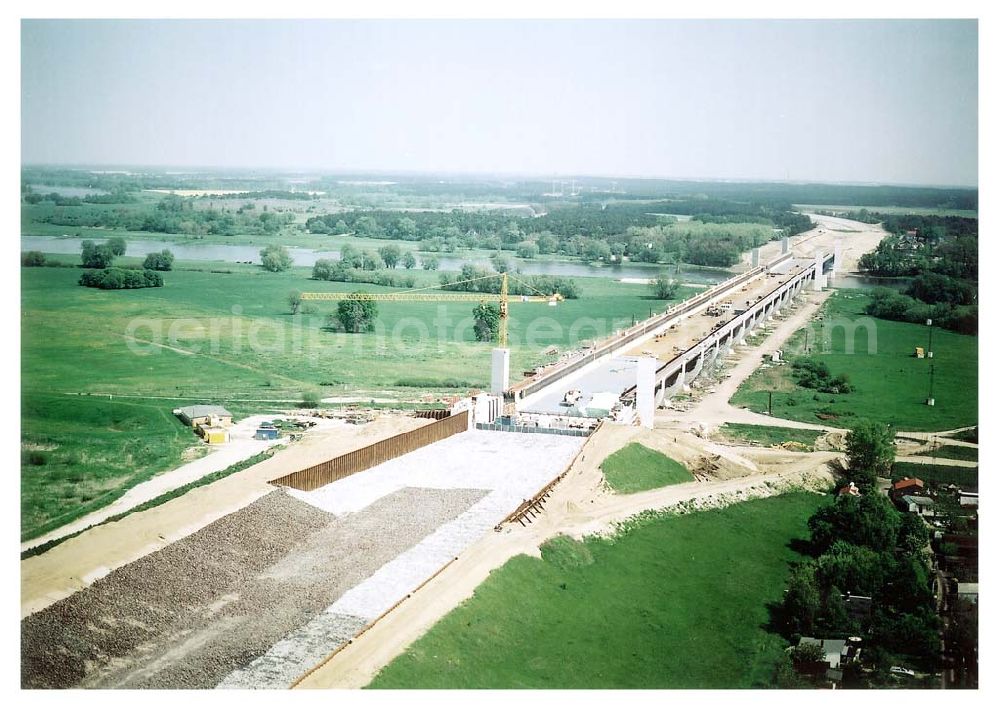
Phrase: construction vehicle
(427, 294)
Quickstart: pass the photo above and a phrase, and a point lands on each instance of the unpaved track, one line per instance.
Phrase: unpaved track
(714, 408)
(78, 562)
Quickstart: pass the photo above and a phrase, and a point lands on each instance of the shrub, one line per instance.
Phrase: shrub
(815, 374)
(163, 261)
(275, 258)
(32, 258)
(96, 256)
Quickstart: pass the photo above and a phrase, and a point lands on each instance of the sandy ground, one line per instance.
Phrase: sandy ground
(78, 562)
(580, 505)
(856, 239)
(188, 615)
(241, 446)
(714, 408)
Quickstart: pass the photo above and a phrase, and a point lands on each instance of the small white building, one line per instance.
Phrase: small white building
(204, 414)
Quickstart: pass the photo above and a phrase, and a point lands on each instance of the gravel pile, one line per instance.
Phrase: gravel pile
(194, 612)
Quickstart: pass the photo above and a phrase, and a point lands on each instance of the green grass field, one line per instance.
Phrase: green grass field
(891, 384)
(675, 602)
(81, 453)
(768, 435)
(229, 338)
(967, 478)
(955, 453)
(635, 468)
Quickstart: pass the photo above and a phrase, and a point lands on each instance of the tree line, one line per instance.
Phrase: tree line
(605, 232)
(942, 256)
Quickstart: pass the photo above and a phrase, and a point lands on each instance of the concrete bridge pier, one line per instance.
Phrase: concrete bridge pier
(818, 278)
(500, 371)
(690, 376)
(645, 383)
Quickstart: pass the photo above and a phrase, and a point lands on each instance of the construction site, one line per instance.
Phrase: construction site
(319, 564)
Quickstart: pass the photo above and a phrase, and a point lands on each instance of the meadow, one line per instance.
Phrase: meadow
(79, 453)
(955, 453)
(891, 384)
(768, 435)
(102, 370)
(635, 468)
(674, 602)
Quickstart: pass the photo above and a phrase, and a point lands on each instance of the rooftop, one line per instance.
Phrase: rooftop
(199, 410)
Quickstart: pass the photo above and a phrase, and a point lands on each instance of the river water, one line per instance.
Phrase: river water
(853, 280)
(308, 257)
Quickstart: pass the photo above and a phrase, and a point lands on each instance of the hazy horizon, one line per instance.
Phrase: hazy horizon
(850, 102)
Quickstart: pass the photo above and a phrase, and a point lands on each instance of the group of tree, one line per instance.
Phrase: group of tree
(941, 254)
(388, 256)
(474, 279)
(101, 255)
(342, 272)
(159, 261)
(892, 305)
(664, 287)
(355, 313)
(30, 196)
(275, 258)
(121, 278)
(863, 546)
(815, 374)
(172, 215)
(487, 321)
(715, 235)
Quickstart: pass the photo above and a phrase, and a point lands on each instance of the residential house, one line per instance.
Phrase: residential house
(923, 506)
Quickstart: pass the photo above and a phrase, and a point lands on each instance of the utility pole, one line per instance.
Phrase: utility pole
(930, 337)
(930, 391)
(770, 411)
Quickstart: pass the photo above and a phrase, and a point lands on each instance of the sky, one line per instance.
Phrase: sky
(890, 101)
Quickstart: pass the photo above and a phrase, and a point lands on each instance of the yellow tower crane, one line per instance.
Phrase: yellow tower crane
(501, 354)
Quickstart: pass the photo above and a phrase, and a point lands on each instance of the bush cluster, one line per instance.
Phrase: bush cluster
(330, 270)
(121, 278)
(815, 374)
